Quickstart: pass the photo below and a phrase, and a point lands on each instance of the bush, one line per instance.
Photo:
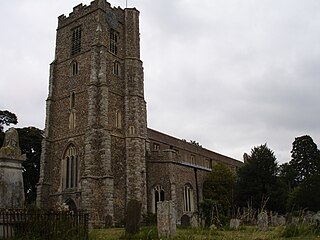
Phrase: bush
(296, 230)
(149, 219)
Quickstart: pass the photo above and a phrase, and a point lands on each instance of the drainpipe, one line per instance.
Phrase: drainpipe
(197, 188)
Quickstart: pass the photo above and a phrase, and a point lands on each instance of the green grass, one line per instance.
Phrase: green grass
(244, 233)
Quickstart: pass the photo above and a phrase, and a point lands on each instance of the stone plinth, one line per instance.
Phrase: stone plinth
(11, 180)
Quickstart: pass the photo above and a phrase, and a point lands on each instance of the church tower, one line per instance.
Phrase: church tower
(93, 154)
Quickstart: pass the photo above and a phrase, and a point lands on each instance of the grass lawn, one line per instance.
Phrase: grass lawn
(245, 233)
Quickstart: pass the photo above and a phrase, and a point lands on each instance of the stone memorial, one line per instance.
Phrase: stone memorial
(11, 180)
(234, 224)
(133, 217)
(108, 221)
(185, 221)
(166, 219)
(263, 221)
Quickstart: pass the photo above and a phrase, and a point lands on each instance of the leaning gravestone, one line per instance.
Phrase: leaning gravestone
(185, 221)
(11, 180)
(133, 217)
(166, 219)
(263, 221)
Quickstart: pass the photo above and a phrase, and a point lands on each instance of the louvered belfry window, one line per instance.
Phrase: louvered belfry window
(76, 41)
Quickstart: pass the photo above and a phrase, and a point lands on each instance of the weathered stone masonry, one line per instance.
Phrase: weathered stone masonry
(98, 153)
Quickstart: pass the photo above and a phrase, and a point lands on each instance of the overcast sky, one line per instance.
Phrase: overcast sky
(230, 74)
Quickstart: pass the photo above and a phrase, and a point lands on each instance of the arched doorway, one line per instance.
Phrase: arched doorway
(71, 204)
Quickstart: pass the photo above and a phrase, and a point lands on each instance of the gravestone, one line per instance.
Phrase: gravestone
(281, 221)
(133, 217)
(263, 221)
(295, 220)
(166, 219)
(108, 221)
(185, 221)
(11, 180)
(194, 220)
(234, 224)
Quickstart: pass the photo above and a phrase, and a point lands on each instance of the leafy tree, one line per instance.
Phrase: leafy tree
(219, 186)
(305, 159)
(287, 175)
(30, 139)
(7, 118)
(306, 195)
(195, 143)
(258, 182)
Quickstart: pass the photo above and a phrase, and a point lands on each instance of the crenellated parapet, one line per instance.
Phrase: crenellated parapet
(81, 10)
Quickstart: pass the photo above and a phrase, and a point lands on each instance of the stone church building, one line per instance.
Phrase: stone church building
(98, 153)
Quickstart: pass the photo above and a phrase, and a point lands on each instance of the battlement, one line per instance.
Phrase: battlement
(82, 10)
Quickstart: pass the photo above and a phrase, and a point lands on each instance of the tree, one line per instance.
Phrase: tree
(305, 159)
(219, 186)
(287, 175)
(258, 183)
(7, 118)
(30, 139)
(306, 195)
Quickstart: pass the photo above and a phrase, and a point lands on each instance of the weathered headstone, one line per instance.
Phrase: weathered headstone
(194, 220)
(166, 219)
(133, 217)
(108, 221)
(11, 180)
(185, 221)
(289, 218)
(234, 224)
(295, 220)
(263, 221)
(281, 221)
(316, 217)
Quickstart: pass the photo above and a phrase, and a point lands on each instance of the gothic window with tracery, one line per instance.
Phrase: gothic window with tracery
(157, 196)
(188, 205)
(71, 168)
(114, 42)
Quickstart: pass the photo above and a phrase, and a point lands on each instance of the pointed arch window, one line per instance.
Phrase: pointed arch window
(74, 68)
(114, 37)
(72, 100)
(132, 130)
(72, 116)
(118, 119)
(71, 168)
(157, 196)
(116, 68)
(188, 204)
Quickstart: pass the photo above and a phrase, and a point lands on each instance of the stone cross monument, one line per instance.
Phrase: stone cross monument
(11, 181)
